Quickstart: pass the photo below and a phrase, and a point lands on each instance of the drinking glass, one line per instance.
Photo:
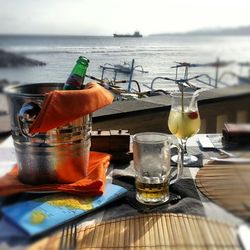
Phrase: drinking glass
(184, 121)
(154, 173)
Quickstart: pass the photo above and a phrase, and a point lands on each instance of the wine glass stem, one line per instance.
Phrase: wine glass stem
(183, 144)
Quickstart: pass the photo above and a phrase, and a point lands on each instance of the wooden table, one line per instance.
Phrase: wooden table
(211, 210)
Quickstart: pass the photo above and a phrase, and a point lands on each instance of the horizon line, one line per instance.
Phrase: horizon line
(188, 32)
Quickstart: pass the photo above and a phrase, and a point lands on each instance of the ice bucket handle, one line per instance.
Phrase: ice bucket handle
(26, 116)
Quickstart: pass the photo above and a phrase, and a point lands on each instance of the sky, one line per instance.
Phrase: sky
(105, 17)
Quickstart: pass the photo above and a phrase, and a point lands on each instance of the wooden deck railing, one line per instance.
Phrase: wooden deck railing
(215, 114)
(216, 107)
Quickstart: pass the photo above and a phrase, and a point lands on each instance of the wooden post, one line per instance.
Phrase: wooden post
(217, 72)
(131, 75)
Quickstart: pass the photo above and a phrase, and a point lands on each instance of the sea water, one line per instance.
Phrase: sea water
(157, 54)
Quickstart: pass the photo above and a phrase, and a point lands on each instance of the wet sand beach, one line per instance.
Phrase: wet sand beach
(4, 116)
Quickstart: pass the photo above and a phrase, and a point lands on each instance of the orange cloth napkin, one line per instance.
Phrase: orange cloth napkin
(93, 184)
(63, 106)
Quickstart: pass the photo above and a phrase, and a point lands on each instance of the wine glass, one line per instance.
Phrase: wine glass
(184, 121)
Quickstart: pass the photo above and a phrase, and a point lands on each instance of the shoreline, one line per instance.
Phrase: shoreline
(12, 60)
(4, 117)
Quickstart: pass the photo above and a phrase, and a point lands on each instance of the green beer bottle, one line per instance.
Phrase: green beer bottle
(76, 78)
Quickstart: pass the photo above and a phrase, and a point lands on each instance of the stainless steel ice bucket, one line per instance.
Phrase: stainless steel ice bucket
(60, 155)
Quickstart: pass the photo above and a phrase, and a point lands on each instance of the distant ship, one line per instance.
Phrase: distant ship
(136, 34)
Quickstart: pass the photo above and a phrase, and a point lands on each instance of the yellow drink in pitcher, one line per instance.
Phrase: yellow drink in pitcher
(184, 124)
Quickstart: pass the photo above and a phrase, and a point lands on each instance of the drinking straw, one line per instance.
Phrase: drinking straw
(182, 100)
(194, 95)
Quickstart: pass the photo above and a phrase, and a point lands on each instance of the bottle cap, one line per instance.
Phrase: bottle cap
(83, 60)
